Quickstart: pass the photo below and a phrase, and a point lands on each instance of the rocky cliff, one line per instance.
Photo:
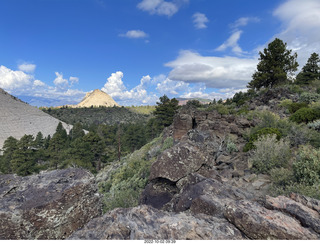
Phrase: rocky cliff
(50, 205)
(18, 118)
(199, 190)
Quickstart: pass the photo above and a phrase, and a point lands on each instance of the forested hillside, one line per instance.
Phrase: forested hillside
(97, 115)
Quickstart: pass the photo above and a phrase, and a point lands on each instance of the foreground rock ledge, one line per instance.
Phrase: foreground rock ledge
(146, 222)
(50, 205)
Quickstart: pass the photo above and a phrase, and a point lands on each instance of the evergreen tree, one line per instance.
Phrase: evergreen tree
(311, 70)
(39, 141)
(165, 111)
(61, 131)
(78, 153)
(9, 147)
(77, 131)
(57, 145)
(23, 161)
(275, 64)
(96, 149)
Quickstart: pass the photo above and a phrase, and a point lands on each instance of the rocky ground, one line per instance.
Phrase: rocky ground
(50, 205)
(197, 189)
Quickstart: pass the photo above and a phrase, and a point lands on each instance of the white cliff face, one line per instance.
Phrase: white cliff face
(96, 98)
(18, 119)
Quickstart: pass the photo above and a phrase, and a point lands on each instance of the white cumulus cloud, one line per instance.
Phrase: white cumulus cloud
(300, 26)
(172, 87)
(11, 79)
(214, 72)
(161, 7)
(135, 34)
(73, 80)
(232, 43)
(137, 95)
(59, 81)
(38, 83)
(200, 20)
(26, 67)
(243, 21)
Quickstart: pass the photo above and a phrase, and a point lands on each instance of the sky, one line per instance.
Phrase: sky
(52, 52)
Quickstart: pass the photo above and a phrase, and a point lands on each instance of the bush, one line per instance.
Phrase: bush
(294, 107)
(285, 103)
(168, 142)
(123, 188)
(305, 115)
(270, 153)
(262, 132)
(222, 109)
(315, 125)
(306, 168)
(309, 97)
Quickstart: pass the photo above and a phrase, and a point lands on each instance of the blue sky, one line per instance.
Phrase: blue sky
(54, 51)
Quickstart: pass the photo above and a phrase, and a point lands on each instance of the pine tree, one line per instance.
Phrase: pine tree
(23, 161)
(276, 62)
(9, 147)
(311, 70)
(165, 111)
(77, 131)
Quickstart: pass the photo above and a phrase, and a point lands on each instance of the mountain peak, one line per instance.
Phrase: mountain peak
(97, 98)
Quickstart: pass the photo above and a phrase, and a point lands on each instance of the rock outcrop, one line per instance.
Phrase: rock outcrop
(18, 118)
(50, 205)
(144, 222)
(199, 190)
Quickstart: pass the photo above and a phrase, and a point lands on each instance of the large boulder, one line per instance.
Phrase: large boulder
(49, 205)
(258, 222)
(144, 222)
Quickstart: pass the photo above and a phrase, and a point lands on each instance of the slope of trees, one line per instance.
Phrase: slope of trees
(101, 145)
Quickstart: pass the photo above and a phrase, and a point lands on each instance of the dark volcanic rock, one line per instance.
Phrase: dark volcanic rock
(307, 216)
(145, 222)
(50, 205)
(258, 222)
(177, 162)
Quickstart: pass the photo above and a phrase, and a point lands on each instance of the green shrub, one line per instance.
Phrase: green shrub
(168, 142)
(222, 109)
(305, 115)
(295, 89)
(285, 103)
(306, 168)
(294, 107)
(125, 185)
(231, 147)
(281, 177)
(255, 136)
(318, 90)
(270, 153)
(309, 97)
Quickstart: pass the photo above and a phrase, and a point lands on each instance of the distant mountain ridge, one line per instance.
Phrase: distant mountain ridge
(18, 118)
(96, 98)
(183, 101)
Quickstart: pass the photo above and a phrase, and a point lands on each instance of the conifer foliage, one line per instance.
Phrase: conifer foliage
(311, 70)
(276, 63)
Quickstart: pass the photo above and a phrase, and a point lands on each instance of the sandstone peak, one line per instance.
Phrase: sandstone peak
(96, 98)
